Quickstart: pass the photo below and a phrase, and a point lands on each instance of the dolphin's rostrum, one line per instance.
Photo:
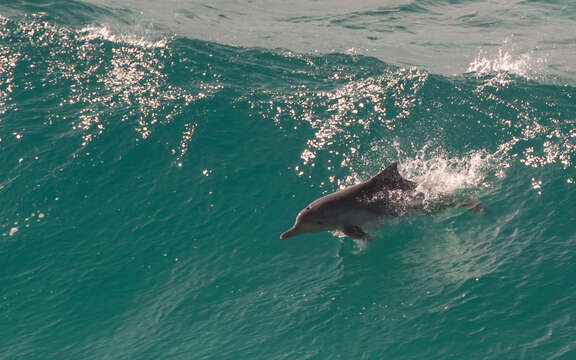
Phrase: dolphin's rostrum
(350, 210)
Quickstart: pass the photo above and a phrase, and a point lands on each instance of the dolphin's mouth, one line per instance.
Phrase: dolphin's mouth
(289, 233)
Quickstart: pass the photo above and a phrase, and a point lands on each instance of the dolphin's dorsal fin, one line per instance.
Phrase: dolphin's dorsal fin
(391, 179)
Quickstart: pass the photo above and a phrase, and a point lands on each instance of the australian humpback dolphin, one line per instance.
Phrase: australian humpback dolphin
(350, 210)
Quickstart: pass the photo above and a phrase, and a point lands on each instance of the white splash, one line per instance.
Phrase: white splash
(442, 174)
(485, 64)
(506, 61)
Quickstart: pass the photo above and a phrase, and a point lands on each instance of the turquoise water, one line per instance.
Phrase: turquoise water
(153, 153)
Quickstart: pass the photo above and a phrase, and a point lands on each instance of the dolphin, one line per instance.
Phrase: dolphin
(386, 195)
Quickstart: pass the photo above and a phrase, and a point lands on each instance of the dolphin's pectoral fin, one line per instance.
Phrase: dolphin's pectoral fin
(355, 232)
(474, 206)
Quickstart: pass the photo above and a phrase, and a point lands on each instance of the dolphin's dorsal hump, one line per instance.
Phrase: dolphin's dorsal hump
(390, 178)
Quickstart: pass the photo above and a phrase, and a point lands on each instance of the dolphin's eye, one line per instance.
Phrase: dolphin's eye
(319, 222)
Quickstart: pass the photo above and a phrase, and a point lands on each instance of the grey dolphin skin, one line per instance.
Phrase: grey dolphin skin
(386, 195)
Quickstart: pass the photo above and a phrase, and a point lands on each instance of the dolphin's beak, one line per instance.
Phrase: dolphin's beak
(293, 231)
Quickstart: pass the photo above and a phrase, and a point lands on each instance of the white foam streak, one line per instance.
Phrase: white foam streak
(93, 32)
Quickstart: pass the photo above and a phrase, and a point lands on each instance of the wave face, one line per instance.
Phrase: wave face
(145, 179)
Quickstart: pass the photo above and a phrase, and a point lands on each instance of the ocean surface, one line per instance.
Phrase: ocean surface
(152, 152)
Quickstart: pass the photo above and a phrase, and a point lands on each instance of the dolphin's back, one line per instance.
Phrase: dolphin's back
(370, 196)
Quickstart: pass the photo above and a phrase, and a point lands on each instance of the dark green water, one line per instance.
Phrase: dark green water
(146, 177)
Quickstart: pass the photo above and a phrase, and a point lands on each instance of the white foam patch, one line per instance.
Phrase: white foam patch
(13, 230)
